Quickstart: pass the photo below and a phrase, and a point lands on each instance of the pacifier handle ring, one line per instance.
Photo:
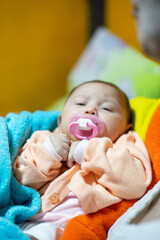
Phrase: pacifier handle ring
(92, 125)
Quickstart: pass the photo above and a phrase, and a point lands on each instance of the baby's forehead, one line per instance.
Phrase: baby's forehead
(99, 90)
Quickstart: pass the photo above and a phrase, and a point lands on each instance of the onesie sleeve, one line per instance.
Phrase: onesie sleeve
(36, 165)
(123, 168)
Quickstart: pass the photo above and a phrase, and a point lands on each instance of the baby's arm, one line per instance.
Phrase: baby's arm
(123, 168)
(35, 164)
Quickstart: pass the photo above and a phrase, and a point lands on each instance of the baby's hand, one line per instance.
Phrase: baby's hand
(71, 153)
(60, 143)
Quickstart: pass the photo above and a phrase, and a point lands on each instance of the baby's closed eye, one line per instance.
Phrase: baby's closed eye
(80, 104)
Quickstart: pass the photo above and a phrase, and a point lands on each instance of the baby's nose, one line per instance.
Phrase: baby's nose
(91, 110)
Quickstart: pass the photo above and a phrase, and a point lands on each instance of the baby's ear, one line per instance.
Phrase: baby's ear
(59, 119)
(129, 127)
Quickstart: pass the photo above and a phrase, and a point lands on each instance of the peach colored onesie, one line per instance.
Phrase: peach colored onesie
(110, 172)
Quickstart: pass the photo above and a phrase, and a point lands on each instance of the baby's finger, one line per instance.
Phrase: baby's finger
(64, 155)
(66, 146)
(64, 138)
(70, 160)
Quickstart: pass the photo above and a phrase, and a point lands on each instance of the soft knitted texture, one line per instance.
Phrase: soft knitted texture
(95, 226)
(18, 202)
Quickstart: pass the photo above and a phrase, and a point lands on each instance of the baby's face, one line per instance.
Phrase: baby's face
(98, 99)
(147, 16)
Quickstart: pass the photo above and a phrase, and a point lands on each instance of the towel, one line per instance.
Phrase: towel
(95, 226)
(18, 202)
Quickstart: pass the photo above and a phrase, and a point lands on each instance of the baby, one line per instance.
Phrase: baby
(89, 162)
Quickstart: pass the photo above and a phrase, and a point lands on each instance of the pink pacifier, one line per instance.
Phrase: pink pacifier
(86, 126)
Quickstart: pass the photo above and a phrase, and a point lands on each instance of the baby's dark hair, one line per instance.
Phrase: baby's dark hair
(128, 108)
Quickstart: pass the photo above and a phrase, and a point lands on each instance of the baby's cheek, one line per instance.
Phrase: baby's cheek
(104, 132)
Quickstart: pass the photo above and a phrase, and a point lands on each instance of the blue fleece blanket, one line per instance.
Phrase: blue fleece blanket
(18, 202)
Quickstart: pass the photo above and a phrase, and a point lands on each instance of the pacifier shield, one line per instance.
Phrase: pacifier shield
(86, 126)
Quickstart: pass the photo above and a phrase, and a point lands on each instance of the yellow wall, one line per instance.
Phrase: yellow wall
(39, 43)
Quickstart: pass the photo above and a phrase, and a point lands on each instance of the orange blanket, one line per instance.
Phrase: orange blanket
(95, 226)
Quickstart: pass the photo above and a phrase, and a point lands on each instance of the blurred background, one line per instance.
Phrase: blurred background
(40, 41)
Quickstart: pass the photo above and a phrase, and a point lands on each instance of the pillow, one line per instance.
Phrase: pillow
(108, 58)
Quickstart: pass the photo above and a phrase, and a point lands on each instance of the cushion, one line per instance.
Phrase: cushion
(107, 57)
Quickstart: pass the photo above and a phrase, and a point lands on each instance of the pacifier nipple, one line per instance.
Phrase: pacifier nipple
(84, 123)
(85, 127)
